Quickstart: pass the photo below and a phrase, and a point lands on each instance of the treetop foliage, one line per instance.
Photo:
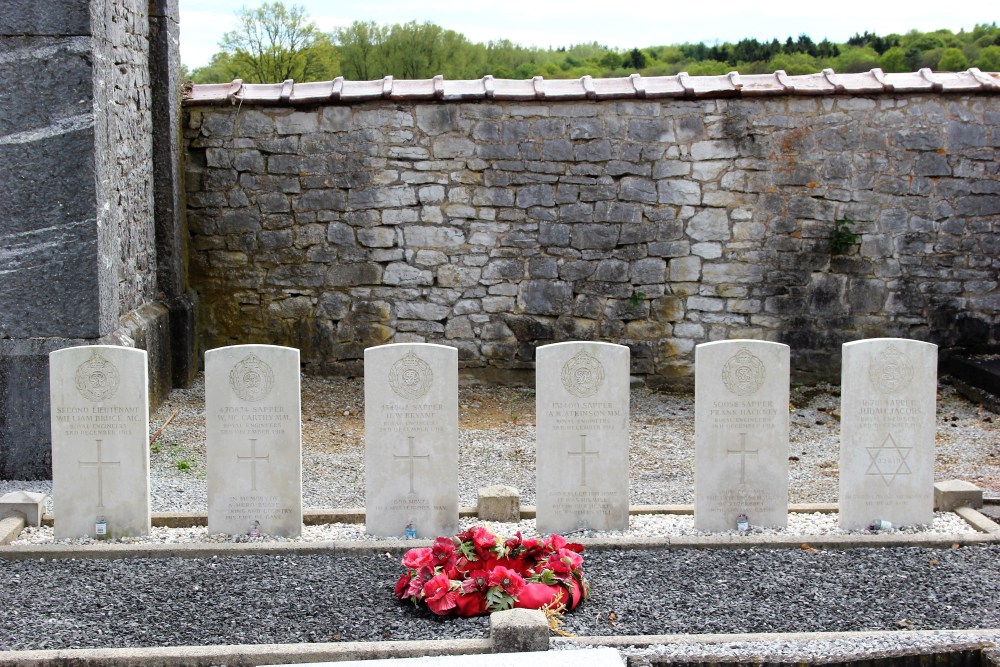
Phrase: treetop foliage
(273, 42)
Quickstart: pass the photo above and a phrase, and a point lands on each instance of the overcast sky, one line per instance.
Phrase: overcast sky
(614, 23)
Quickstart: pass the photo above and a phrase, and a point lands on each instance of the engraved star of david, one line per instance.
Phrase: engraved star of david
(888, 460)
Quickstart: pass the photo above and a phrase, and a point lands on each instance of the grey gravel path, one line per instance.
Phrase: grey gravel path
(271, 599)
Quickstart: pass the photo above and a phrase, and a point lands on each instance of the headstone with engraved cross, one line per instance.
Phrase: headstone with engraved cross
(741, 434)
(254, 443)
(888, 395)
(411, 439)
(100, 441)
(582, 421)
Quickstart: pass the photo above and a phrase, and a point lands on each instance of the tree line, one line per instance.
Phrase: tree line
(273, 42)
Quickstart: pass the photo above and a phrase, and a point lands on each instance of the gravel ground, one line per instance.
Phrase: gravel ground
(263, 599)
(287, 599)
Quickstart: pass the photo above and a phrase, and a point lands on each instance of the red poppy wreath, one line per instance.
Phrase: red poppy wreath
(476, 572)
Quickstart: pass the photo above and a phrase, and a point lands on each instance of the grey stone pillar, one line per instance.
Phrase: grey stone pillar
(171, 275)
(78, 245)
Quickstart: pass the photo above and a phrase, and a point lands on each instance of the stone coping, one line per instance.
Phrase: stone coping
(989, 534)
(262, 654)
(682, 85)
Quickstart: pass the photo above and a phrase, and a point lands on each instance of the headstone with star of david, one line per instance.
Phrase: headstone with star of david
(253, 428)
(741, 434)
(100, 441)
(411, 439)
(888, 397)
(582, 431)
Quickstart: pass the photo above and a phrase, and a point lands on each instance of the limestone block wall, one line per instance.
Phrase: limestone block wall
(658, 224)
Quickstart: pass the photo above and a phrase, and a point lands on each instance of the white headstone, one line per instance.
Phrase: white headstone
(582, 421)
(888, 395)
(253, 425)
(411, 439)
(741, 434)
(100, 441)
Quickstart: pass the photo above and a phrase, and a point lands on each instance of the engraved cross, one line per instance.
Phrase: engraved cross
(409, 457)
(743, 452)
(253, 458)
(100, 463)
(583, 454)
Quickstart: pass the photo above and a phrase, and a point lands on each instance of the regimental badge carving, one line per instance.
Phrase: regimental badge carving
(251, 379)
(583, 375)
(890, 371)
(411, 377)
(744, 373)
(97, 378)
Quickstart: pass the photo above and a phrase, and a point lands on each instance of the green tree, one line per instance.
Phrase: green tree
(273, 43)
(894, 60)
(953, 60)
(989, 59)
(634, 60)
(361, 44)
(218, 70)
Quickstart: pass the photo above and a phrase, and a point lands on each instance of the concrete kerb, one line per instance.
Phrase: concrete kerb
(251, 655)
(989, 533)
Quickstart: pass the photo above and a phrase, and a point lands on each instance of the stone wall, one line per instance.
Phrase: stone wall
(77, 239)
(659, 225)
(500, 226)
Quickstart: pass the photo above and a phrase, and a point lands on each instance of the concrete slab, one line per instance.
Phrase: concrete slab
(592, 657)
(951, 494)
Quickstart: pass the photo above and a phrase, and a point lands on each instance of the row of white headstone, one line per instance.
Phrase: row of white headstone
(100, 426)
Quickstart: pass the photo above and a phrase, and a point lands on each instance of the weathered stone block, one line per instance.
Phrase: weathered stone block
(709, 225)
(595, 236)
(951, 494)
(545, 297)
(499, 503)
(679, 192)
(519, 630)
(685, 269)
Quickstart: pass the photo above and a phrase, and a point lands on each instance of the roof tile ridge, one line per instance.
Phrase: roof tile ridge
(834, 80)
(684, 79)
(538, 83)
(235, 91)
(782, 78)
(880, 77)
(928, 75)
(286, 90)
(637, 84)
(983, 78)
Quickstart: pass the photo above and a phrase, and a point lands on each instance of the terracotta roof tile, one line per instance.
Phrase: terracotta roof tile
(683, 85)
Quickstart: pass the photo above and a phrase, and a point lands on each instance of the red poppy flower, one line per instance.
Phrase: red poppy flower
(476, 581)
(402, 585)
(483, 539)
(508, 580)
(443, 553)
(438, 595)
(417, 558)
(419, 579)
